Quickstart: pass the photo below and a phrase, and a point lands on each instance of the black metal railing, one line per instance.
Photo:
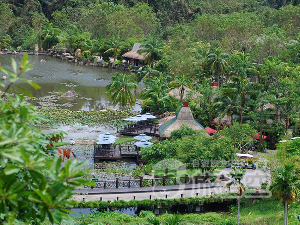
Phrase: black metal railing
(141, 182)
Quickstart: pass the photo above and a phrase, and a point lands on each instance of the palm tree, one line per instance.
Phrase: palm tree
(147, 72)
(120, 89)
(156, 94)
(50, 34)
(114, 45)
(226, 105)
(240, 89)
(181, 82)
(237, 175)
(287, 185)
(218, 64)
(153, 47)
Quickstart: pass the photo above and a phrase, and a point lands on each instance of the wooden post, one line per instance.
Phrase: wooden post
(175, 181)
(152, 182)
(164, 180)
(104, 186)
(141, 181)
(186, 178)
(117, 182)
(129, 183)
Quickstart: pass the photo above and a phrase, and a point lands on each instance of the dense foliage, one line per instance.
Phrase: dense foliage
(250, 49)
(34, 184)
(194, 149)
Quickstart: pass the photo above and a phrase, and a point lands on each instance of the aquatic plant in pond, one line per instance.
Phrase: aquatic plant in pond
(123, 170)
(58, 117)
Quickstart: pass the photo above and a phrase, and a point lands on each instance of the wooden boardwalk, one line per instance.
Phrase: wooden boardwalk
(115, 152)
(137, 129)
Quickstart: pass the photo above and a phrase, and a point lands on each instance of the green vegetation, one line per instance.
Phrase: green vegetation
(193, 149)
(56, 117)
(120, 89)
(249, 49)
(123, 140)
(229, 43)
(251, 214)
(34, 185)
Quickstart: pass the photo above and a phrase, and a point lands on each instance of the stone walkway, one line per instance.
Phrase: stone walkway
(174, 191)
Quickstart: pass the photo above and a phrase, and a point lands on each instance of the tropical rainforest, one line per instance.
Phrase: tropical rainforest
(248, 48)
(237, 63)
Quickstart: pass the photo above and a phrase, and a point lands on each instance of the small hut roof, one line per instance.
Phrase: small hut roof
(133, 54)
(184, 117)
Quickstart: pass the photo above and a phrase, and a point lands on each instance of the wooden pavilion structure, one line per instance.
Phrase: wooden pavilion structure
(133, 57)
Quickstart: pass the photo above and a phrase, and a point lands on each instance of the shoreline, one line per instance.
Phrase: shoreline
(70, 57)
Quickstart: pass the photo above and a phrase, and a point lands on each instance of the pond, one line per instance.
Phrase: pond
(176, 208)
(56, 77)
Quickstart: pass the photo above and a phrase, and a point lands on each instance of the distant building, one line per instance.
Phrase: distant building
(133, 57)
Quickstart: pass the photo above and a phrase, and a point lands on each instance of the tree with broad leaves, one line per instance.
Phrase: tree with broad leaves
(286, 184)
(34, 186)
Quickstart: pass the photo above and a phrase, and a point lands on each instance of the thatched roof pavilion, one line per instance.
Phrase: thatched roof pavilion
(184, 117)
(133, 54)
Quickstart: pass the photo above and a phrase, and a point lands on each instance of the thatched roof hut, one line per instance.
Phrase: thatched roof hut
(133, 54)
(184, 117)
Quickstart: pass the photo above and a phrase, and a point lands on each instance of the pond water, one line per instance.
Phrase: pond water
(56, 77)
(176, 208)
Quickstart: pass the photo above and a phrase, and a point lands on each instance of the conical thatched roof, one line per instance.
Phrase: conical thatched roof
(184, 117)
(133, 54)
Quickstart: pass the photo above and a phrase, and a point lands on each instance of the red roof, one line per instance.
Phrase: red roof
(210, 130)
(256, 136)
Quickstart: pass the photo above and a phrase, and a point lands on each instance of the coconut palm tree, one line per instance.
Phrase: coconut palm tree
(181, 82)
(226, 105)
(50, 34)
(114, 45)
(147, 72)
(218, 64)
(120, 89)
(286, 184)
(237, 174)
(156, 94)
(153, 48)
(242, 90)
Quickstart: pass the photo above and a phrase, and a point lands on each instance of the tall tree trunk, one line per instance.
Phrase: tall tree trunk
(278, 114)
(181, 94)
(277, 106)
(286, 207)
(238, 220)
(260, 128)
(241, 115)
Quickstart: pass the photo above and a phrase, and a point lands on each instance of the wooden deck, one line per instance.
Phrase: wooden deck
(137, 129)
(113, 152)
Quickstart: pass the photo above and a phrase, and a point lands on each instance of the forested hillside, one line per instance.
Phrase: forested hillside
(261, 28)
(189, 43)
